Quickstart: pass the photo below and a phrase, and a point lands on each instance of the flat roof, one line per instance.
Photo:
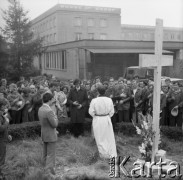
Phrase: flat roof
(70, 8)
(114, 44)
(126, 50)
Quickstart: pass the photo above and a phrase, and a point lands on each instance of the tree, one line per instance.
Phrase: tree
(23, 45)
(4, 57)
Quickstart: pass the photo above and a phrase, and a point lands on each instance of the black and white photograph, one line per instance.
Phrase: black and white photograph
(91, 89)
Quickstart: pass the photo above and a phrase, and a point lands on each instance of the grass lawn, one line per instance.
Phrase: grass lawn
(76, 158)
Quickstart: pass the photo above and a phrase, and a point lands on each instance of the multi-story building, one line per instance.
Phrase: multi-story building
(85, 41)
(65, 23)
(146, 33)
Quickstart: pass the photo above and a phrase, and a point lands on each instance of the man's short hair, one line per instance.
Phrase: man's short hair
(3, 81)
(120, 79)
(47, 97)
(54, 84)
(101, 89)
(97, 77)
(167, 79)
(77, 81)
(12, 85)
(105, 83)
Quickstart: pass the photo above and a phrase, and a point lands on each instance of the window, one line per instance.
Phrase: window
(103, 23)
(54, 21)
(91, 35)
(130, 35)
(47, 61)
(130, 71)
(63, 59)
(145, 36)
(49, 23)
(178, 36)
(55, 60)
(48, 39)
(78, 21)
(55, 37)
(172, 36)
(103, 36)
(90, 22)
(78, 36)
(51, 40)
(122, 35)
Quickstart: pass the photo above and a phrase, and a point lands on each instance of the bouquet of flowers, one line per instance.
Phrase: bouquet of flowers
(145, 130)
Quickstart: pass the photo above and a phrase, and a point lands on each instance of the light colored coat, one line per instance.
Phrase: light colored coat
(102, 109)
(49, 122)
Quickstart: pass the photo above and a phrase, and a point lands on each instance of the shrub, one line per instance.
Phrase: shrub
(33, 129)
(175, 133)
(25, 130)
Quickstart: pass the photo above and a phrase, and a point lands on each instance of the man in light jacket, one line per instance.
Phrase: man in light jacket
(49, 122)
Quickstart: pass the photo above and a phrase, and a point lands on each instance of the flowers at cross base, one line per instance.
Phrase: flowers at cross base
(145, 129)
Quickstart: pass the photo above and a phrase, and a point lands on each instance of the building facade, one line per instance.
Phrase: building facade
(85, 41)
(65, 23)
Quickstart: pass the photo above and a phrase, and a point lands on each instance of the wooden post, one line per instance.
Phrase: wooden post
(157, 84)
(156, 62)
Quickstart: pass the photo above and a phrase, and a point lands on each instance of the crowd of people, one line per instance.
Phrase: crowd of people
(106, 102)
(24, 98)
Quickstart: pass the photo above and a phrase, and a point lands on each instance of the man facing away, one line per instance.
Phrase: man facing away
(102, 109)
(49, 122)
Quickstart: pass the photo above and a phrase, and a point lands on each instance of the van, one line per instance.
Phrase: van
(142, 73)
(173, 81)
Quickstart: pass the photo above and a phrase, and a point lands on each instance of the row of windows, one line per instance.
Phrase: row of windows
(79, 36)
(51, 23)
(50, 38)
(46, 25)
(55, 60)
(137, 36)
(150, 36)
(90, 22)
(173, 36)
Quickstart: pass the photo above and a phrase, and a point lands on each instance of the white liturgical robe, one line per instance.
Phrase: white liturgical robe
(102, 109)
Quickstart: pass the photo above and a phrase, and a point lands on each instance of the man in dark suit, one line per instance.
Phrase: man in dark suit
(139, 98)
(49, 122)
(77, 99)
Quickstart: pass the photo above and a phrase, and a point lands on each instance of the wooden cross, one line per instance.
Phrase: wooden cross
(156, 61)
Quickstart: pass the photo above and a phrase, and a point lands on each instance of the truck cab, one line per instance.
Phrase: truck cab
(141, 73)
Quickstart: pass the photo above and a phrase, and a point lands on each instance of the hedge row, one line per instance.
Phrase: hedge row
(33, 129)
(175, 133)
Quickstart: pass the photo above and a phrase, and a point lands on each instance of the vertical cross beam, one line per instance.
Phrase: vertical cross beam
(157, 84)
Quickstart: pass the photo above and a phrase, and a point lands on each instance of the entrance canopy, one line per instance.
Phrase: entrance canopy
(102, 51)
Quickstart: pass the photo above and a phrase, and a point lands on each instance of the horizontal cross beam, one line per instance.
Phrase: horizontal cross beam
(150, 60)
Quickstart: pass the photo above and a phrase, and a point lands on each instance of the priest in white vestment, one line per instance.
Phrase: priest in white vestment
(102, 109)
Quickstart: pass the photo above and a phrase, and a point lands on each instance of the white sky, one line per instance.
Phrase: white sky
(137, 12)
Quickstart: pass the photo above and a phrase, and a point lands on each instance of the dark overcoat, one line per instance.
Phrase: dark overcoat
(77, 115)
(3, 139)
